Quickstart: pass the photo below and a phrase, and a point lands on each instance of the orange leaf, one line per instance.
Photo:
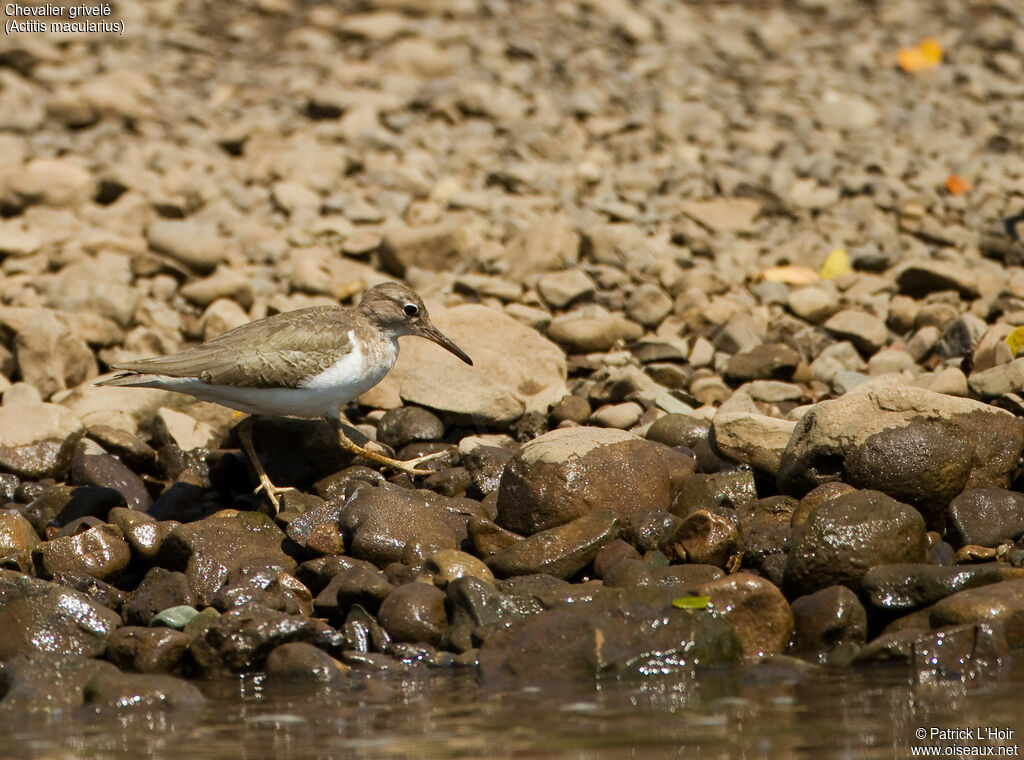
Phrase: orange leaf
(791, 274)
(927, 55)
(957, 184)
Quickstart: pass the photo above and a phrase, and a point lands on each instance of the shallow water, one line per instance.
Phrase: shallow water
(756, 712)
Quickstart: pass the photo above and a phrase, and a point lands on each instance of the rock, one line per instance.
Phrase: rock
(920, 447)
(17, 540)
(44, 617)
(298, 662)
(107, 471)
(142, 692)
(961, 336)
(679, 430)
(241, 638)
(997, 604)
(356, 584)
(408, 424)
(753, 439)
(388, 524)
(908, 587)
(51, 182)
(724, 214)
(99, 552)
(571, 408)
(986, 516)
(616, 638)
(560, 289)
(765, 362)
(507, 355)
(209, 550)
(435, 247)
(999, 380)
(461, 394)
(159, 590)
(957, 652)
(415, 613)
(550, 244)
(919, 278)
(585, 334)
(828, 620)
(38, 442)
(316, 530)
(45, 682)
(845, 537)
(564, 474)
(866, 332)
(266, 586)
(839, 110)
(144, 534)
(148, 650)
(706, 538)
(622, 416)
(813, 304)
(731, 490)
(648, 305)
(50, 356)
(562, 551)
(449, 565)
(183, 430)
(758, 610)
(194, 244)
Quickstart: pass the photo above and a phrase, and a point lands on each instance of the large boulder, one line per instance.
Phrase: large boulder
(564, 474)
(920, 447)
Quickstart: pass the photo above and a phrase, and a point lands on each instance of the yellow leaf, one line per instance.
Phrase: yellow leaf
(927, 55)
(836, 265)
(791, 274)
(692, 602)
(1015, 340)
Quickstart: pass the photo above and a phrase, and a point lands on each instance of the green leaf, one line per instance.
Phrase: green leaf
(692, 602)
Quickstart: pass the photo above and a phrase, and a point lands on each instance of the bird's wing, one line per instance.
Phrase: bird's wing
(278, 351)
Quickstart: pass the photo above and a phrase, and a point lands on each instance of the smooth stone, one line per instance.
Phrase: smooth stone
(866, 332)
(827, 620)
(753, 439)
(562, 551)
(100, 552)
(907, 587)
(986, 516)
(588, 334)
(298, 662)
(159, 590)
(449, 565)
(461, 394)
(769, 361)
(679, 430)
(142, 692)
(17, 540)
(407, 424)
(758, 610)
(148, 650)
(39, 441)
(415, 613)
(174, 617)
(194, 244)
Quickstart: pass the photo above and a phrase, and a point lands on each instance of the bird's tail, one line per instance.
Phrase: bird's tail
(131, 380)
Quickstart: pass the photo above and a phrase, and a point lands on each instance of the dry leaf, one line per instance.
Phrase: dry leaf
(836, 265)
(927, 55)
(957, 184)
(791, 274)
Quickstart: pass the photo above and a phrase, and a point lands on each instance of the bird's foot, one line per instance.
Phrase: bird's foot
(272, 491)
(410, 465)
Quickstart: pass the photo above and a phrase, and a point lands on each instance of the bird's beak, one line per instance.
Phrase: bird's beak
(432, 333)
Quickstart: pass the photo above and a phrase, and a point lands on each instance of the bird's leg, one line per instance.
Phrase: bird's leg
(406, 465)
(272, 491)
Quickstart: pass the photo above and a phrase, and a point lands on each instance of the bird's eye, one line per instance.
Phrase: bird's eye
(411, 310)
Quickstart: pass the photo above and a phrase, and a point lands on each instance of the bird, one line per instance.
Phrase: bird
(306, 363)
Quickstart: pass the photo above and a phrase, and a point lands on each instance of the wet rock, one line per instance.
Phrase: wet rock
(159, 590)
(415, 613)
(46, 682)
(38, 442)
(240, 639)
(753, 439)
(449, 565)
(365, 586)
(572, 408)
(758, 610)
(106, 471)
(45, 617)
(269, 587)
(826, 620)
(920, 447)
(316, 531)
(816, 497)
(712, 492)
(706, 538)
(561, 551)
(907, 587)
(652, 531)
(142, 692)
(986, 516)
(958, 652)
(17, 540)
(144, 534)
(298, 662)
(766, 527)
(567, 473)
(148, 650)
(998, 604)
(407, 424)
(845, 537)
(679, 430)
(488, 538)
(388, 524)
(100, 552)
(607, 639)
(181, 617)
(209, 550)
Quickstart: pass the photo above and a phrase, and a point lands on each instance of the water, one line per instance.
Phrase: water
(753, 712)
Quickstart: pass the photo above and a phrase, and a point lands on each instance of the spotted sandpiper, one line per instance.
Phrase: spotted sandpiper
(305, 363)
